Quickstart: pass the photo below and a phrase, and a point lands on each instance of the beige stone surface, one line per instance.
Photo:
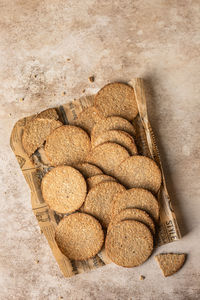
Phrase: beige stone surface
(48, 47)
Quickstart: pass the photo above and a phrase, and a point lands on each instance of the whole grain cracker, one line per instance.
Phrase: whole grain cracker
(112, 123)
(79, 236)
(88, 118)
(107, 156)
(88, 170)
(139, 171)
(134, 214)
(117, 99)
(67, 145)
(129, 243)
(99, 199)
(64, 189)
(49, 113)
(136, 198)
(94, 180)
(170, 263)
(119, 137)
(35, 133)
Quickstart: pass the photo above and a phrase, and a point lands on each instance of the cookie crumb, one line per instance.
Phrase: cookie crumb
(37, 261)
(91, 78)
(63, 93)
(61, 297)
(68, 59)
(142, 277)
(83, 91)
(21, 99)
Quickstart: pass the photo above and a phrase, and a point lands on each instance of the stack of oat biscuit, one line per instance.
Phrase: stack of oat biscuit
(105, 190)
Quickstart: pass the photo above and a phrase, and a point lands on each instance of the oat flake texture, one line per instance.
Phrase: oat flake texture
(107, 156)
(79, 236)
(36, 132)
(133, 214)
(88, 170)
(94, 180)
(129, 243)
(136, 198)
(64, 189)
(88, 118)
(112, 123)
(99, 200)
(139, 171)
(67, 145)
(117, 136)
(170, 263)
(117, 99)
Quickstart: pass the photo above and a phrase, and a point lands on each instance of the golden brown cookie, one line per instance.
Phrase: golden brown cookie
(88, 118)
(99, 199)
(107, 156)
(79, 236)
(64, 189)
(134, 214)
(136, 198)
(117, 99)
(119, 137)
(129, 243)
(112, 123)
(67, 145)
(170, 263)
(88, 170)
(35, 133)
(49, 113)
(94, 180)
(139, 171)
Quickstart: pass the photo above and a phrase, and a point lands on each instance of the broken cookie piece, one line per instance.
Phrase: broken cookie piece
(170, 263)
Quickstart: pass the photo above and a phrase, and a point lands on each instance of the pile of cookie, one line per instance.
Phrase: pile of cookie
(105, 190)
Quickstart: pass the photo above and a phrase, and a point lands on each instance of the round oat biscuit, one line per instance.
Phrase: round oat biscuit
(129, 243)
(136, 198)
(64, 189)
(94, 180)
(67, 145)
(112, 123)
(99, 199)
(107, 156)
(88, 170)
(119, 137)
(133, 214)
(117, 99)
(88, 118)
(79, 236)
(139, 171)
(35, 133)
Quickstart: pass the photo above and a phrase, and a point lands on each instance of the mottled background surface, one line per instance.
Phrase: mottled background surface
(48, 47)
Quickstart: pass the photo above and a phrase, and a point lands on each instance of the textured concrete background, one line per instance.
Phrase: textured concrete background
(51, 46)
